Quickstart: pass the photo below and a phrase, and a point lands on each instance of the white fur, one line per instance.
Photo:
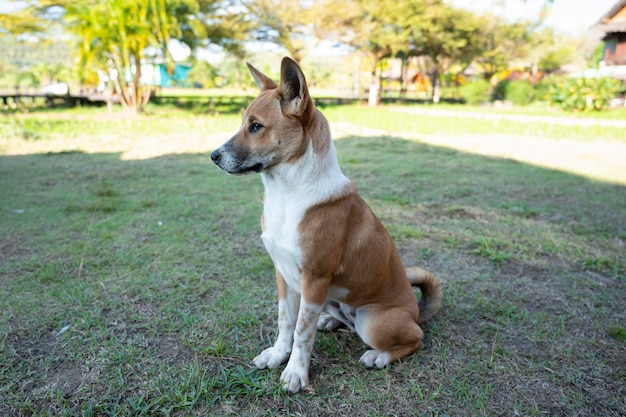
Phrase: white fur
(277, 354)
(337, 293)
(290, 189)
(296, 373)
(375, 359)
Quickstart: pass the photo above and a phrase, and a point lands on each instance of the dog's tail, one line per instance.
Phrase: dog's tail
(430, 287)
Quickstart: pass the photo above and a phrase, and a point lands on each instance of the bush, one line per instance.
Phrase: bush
(476, 92)
(202, 74)
(584, 94)
(518, 92)
(545, 85)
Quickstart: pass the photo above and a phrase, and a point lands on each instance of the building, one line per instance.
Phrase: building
(160, 76)
(613, 26)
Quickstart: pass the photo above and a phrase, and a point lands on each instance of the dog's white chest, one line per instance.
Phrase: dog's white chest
(282, 240)
(289, 192)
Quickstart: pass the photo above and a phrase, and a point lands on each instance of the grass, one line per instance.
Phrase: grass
(538, 108)
(133, 280)
(440, 123)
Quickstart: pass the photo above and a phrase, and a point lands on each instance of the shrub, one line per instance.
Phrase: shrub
(584, 94)
(499, 91)
(544, 86)
(518, 92)
(476, 92)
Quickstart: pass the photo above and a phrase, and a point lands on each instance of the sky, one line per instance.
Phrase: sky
(568, 16)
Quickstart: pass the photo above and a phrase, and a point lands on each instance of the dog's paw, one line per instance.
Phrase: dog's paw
(375, 359)
(327, 323)
(294, 378)
(270, 358)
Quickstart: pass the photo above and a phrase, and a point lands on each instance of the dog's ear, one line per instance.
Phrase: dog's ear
(293, 85)
(262, 81)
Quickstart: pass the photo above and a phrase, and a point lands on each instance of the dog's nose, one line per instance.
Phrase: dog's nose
(216, 155)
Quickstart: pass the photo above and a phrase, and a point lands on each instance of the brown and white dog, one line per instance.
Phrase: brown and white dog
(335, 262)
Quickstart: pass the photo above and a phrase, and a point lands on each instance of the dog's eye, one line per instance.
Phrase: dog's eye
(255, 127)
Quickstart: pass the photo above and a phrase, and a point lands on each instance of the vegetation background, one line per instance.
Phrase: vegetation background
(428, 49)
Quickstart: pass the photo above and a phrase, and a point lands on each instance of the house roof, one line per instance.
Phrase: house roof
(606, 23)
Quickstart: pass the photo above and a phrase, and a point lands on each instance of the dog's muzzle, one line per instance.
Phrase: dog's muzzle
(225, 160)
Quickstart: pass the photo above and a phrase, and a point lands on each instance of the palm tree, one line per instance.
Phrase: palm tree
(116, 35)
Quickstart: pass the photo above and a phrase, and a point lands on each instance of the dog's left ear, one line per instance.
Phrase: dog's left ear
(293, 85)
(262, 81)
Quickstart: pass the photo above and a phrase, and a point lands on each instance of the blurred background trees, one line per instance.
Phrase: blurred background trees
(425, 48)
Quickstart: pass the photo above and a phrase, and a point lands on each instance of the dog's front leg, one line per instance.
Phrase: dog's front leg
(288, 303)
(296, 373)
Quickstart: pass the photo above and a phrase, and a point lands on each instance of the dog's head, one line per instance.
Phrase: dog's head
(274, 125)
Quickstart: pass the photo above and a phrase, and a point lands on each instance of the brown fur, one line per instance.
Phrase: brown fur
(346, 249)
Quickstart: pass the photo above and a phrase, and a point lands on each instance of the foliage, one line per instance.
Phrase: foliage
(284, 22)
(113, 36)
(203, 74)
(542, 88)
(372, 28)
(19, 22)
(446, 36)
(498, 43)
(597, 55)
(518, 92)
(584, 94)
(27, 53)
(550, 51)
(116, 37)
(476, 92)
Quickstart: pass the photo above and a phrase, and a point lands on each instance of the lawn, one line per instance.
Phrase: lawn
(133, 280)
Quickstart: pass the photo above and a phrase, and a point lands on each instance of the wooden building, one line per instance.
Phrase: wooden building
(613, 26)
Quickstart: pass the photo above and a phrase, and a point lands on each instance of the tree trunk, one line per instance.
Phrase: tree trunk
(137, 99)
(403, 74)
(374, 90)
(434, 82)
(373, 98)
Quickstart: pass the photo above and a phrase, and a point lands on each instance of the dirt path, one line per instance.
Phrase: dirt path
(601, 160)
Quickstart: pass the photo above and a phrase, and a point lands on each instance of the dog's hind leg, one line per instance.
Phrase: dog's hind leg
(335, 314)
(393, 333)
(327, 322)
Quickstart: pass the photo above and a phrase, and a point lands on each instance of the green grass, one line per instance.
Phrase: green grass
(451, 123)
(133, 280)
(539, 108)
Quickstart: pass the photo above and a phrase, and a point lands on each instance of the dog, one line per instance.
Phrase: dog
(336, 264)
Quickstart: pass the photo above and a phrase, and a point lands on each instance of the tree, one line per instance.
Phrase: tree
(372, 27)
(498, 43)
(555, 51)
(118, 36)
(444, 35)
(596, 56)
(115, 35)
(20, 21)
(203, 74)
(285, 23)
